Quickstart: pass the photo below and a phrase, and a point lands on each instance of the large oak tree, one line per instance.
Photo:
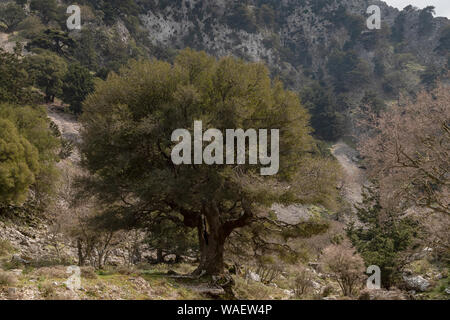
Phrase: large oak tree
(127, 126)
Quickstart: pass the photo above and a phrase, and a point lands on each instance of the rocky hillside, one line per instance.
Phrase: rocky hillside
(295, 37)
(321, 49)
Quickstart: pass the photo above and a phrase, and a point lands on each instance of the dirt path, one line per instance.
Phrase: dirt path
(354, 176)
(68, 126)
(67, 123)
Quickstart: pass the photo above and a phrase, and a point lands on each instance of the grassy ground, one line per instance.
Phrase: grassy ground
(111, 284)
(142, 283)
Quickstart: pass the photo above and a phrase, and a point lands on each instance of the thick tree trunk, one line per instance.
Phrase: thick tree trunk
(212, 241)
(212, 234)
(80, 253)
(159, 256)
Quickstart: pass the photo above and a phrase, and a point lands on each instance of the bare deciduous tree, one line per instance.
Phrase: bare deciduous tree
(407, 150)
(346, 267)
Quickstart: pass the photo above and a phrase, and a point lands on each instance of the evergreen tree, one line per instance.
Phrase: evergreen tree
(54, 40)
(11, 15)
(33, 125)
(347, 70)
(384, 238)
(128, 122)
(19, 164)
(48, 9)
(78, 83)
(327, 121)
(47, 70)
(444, 44)
(170, 238)
(14, 79)
(426, 20)
(398, 30)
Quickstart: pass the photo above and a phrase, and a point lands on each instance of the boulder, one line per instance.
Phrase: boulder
(288, 292)
(253, 276)
(417, 283)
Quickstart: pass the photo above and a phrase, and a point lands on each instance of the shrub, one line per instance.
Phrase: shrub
(11, 15)
(255, 290)
(5, 247)
(124, 270)
(327, 291)
(268, 269)
(384, 239)
(52, 272)
(19, 167)
(47, 289)
(88, 273)
(27, 128)
(303, 282)
(346, 266)
(31, 27)
(7, 279)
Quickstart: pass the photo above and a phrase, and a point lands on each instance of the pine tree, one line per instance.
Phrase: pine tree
(78, 83)
(384, 238)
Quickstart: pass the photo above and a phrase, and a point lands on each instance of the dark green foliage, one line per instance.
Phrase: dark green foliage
(426, 20)
(398, 28)
(47, 9)
(444, 41)
(78, 83)
(47, 70)
(394, 83)
(127, 144)
(430, 77)
(266, 16)
(113, 9)
(14, 79)
(373, 103)
(318, 5)
(169, 238)
(348, 70)
(380, 68)
(326, 119)
(53, 40)
(86, 48)
(100, 51)
(31, 27)
(354, 24)
(374, 39)
(21, 2)
(385, 238)
(241, 17)
(11, 15)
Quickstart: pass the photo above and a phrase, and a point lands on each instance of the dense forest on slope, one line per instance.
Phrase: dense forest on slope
(316, 47)
(107, 194)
